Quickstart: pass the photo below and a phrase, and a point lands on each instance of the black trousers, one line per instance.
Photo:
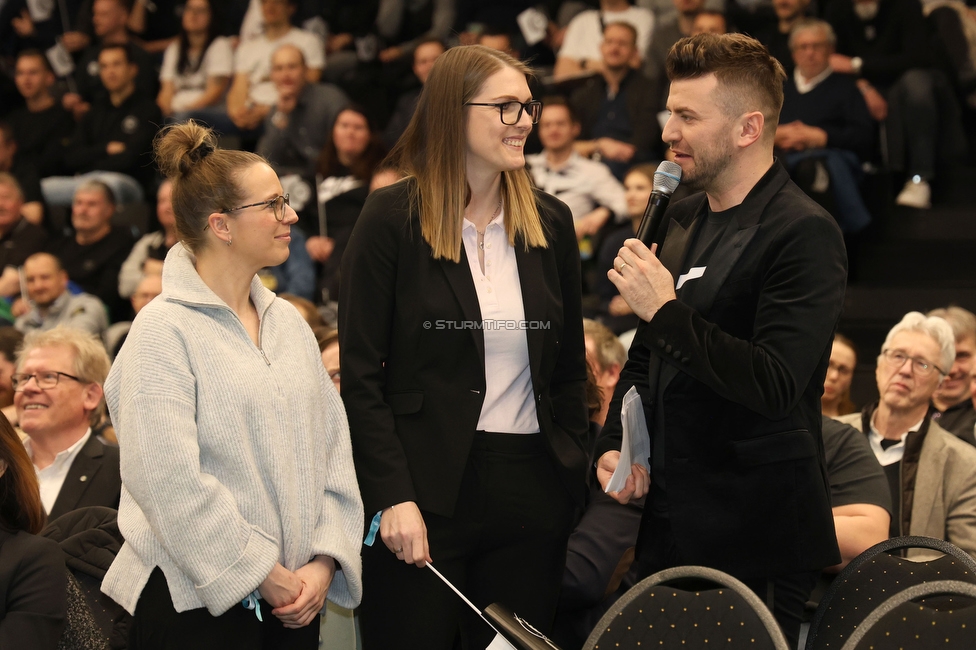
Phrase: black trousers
(158, 626)
(784, 595)
(506, 543)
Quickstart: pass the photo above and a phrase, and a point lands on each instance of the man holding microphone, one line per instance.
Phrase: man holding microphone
(738, 311)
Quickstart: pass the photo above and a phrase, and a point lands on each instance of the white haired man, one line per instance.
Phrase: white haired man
(930, 471)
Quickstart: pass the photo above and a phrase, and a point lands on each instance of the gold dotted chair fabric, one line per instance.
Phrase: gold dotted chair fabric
(688, 607)
(940, 614)
(874, 577)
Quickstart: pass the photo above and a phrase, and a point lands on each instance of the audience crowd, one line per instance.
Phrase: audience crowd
(324, 89)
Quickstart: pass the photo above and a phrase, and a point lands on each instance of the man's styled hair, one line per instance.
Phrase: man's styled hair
(933, 326)
(609, 349)
(962, 321)
(91, 360)
(749, 78)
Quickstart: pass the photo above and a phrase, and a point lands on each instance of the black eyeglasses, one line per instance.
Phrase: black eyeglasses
(44, 380)
(511, 112)
(921, 367)
(278, 203)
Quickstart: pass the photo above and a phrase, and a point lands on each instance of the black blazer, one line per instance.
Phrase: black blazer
(93, 480)
(747, 490)
(413, 387)
(33, 591)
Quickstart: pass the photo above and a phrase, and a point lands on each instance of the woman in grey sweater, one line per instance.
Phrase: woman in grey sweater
(237, 474)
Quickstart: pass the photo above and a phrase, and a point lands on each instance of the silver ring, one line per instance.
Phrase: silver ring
(399, 550)
(621, 269)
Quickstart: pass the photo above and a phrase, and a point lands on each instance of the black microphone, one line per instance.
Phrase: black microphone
(666, 180)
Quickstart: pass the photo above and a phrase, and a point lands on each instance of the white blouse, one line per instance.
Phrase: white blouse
(509, 405)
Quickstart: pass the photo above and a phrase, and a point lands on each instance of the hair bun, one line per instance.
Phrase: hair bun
(181, 147)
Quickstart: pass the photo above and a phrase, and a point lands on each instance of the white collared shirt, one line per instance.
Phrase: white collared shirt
(803, 86)
(509, 405)
(52, 477)
(582, 184)
(894, 453)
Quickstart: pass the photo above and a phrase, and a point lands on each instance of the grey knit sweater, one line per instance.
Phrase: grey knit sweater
(233, 456)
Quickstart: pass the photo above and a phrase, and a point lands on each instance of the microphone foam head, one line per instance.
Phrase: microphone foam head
(667, 177)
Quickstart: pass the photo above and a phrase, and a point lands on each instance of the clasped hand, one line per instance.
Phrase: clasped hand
(636, 485)
(297, 597)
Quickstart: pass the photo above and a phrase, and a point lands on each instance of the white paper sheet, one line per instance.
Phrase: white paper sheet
(636, 444)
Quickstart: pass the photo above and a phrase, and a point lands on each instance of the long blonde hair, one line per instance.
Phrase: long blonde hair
(432, 154)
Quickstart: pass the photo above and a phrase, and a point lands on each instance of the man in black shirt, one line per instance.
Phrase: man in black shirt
(737, 319)
(19, 238)
(42, 126)
(93, 255)
(26, 175)
(114, 138)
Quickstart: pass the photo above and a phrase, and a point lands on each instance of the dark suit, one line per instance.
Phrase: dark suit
(414, 387)
(746, 487)
(92, 480)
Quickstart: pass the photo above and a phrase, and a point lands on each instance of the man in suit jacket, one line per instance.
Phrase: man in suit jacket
(58, 395)
(929, 470)
(730, 357)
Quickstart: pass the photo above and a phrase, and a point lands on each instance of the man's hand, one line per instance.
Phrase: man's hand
(636, 485)
(797, 136)
(114, 147)
(19, 307)
(641, 278)
(591, 222)
(281, 587)
(615, 149)
(23, 24)
(390, 53)
(316, 577)
(877, 105)
(841, 63)
(319, 248)
(619, 307)
(403, 531)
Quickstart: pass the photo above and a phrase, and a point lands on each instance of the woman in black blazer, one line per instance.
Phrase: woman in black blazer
(463, 366)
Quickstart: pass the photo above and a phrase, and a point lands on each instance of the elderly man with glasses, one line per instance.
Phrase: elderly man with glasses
(58, 395)
(930, 471)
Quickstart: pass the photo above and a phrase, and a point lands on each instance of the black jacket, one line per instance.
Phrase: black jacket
(747, 488)
(94, 479)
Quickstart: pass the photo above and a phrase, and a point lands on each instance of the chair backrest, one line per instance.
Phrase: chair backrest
(875, 576)
(913, 620)
(688, 607)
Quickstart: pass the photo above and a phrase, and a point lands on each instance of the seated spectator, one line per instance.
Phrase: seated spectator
(885, 43)
(301, 122)
(586, 186)
(328, 340)
(710, 22)
(346, 166)
(929, 470)
(617, 108)
(667, 32)
(424, 56)
(776, 34)
(59, 399)
(197, 66)
(114, 139)
(954, 397)
(93, 254)
(824, 118)
(836, 398)
(19, 238)
(10, 340)
(33, 587)
(26, 176)
(146, 257)
(109, 21)
(499, 39)
(582, 52)
(614, 312)
(148, 288)
(51, 305)
(252, 94)
(42, 126)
